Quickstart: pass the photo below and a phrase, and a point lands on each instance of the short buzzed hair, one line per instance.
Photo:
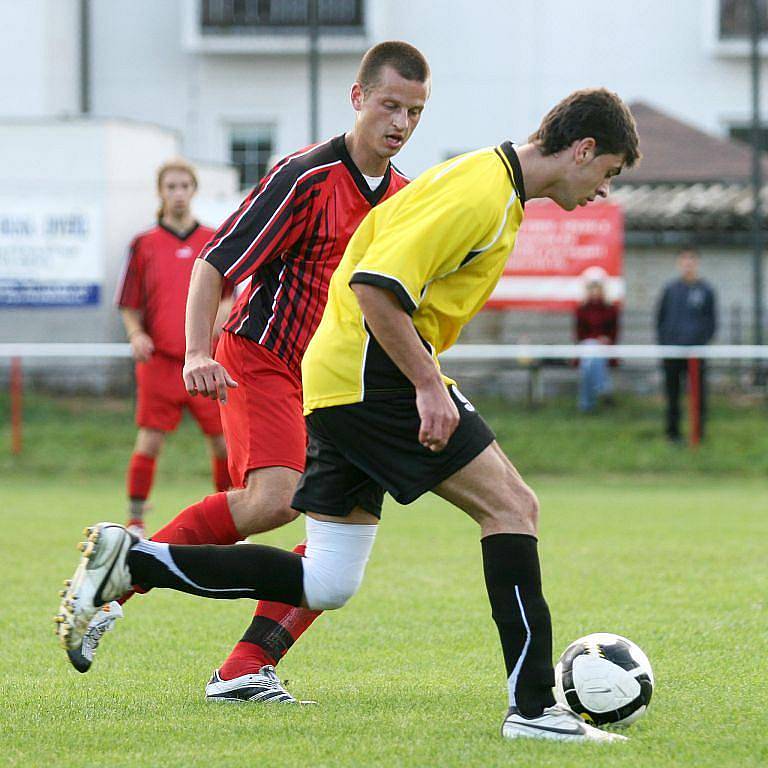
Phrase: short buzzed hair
(590, 113)
(407, 61)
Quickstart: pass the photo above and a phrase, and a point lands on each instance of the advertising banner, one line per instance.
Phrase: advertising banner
(51, 253)
(556, 253)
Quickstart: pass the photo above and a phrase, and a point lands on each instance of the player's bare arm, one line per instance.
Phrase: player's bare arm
(202, 374)
(395, 332)
(141, 342)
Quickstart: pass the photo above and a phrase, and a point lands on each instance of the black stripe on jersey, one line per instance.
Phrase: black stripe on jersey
(390, 283)
(309, 260)
(277, 229)
(318, 305)
(240, 234)
(261, 305)
(517, 171)
(373, 196)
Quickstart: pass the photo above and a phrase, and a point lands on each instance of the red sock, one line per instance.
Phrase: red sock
(274, 629)
(207, 522)
(141, 473)
(221, 480)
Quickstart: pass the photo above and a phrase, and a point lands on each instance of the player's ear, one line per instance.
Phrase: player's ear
(357, 96)
(584, 149)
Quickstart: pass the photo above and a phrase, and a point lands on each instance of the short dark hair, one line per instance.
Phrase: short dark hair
(407, 61)
(592, 112)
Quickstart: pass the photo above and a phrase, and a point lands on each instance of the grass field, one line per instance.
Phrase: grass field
(664, 545)
(410, 672)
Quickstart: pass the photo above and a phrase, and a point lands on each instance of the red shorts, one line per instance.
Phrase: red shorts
(161, 397)
(263, 418)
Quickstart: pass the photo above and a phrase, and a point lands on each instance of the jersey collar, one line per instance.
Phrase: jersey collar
(506, 152)
(179, 235)
(373, 196)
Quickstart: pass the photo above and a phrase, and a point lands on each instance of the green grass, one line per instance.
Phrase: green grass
(410, 673)
(87, 437)
(660, 543)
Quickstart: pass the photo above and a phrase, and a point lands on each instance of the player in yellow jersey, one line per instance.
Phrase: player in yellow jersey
(381, 417)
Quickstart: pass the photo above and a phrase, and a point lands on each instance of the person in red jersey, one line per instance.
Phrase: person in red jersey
(152, 296)
(286, 239)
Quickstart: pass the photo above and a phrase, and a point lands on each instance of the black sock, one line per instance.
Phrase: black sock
(271, 636)
(513, 581)
(222, 572)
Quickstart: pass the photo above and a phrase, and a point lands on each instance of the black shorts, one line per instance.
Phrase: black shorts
(357, 452)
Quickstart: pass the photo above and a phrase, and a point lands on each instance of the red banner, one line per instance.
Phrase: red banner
(557, 252)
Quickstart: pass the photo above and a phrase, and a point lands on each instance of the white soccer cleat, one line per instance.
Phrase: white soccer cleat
(101, 576)
(264, 687)
(558, 723)
(103, 621)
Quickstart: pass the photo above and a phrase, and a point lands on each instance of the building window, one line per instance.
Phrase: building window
(735, 18)
(239, 17)
(744, 133)
(251, 148)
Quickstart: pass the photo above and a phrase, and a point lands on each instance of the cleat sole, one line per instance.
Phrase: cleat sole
(65, 620)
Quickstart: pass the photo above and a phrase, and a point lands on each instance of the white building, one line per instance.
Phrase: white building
(229, 82)
(232, 75)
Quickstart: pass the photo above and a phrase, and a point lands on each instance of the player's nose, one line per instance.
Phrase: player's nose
(400, 119)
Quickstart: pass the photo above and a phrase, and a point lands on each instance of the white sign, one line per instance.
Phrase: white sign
(51, 253)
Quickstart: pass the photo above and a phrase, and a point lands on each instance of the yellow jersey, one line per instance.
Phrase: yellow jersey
(440, 246)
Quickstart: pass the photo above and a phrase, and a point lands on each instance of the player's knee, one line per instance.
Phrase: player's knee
(264, 511)
(527, 506)
(334, 562)
(326, 589)
(520, 508)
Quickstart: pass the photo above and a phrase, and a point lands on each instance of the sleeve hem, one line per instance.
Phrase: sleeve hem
(388, 283)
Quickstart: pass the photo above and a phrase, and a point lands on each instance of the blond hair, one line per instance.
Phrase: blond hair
(174, 164)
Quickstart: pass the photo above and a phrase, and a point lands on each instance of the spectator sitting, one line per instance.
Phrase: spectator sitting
(597, 322)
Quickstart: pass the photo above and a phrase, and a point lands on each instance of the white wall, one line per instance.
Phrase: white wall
(39, 44)
(498, 65)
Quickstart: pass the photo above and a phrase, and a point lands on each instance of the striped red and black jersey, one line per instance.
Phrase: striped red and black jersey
(288, 237)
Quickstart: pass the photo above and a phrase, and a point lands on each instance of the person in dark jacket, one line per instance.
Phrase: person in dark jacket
(597, 322)
(686, 314)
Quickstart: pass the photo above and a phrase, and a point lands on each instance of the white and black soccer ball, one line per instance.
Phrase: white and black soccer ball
(605, 678)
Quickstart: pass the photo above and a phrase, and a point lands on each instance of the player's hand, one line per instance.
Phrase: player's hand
(438, 413)
(204, 376)
(142, 346)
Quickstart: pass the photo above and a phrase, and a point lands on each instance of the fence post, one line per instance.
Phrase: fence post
(17, 404)
(694, 399)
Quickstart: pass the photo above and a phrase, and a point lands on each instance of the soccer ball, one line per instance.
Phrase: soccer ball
(605, 678)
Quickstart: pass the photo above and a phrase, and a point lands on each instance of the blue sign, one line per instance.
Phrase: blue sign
(16, 293)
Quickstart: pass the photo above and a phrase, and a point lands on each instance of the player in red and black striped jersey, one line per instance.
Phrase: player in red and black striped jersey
(152, 297)
(286, 239)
